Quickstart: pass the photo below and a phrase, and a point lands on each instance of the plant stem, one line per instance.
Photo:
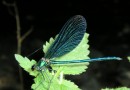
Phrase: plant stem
(19, 42)
(18, 33)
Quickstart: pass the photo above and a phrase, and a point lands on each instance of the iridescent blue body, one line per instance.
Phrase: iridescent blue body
(69, 37)
(44, 63)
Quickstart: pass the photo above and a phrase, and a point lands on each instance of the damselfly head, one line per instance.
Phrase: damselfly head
(37, 68)
(33, 67)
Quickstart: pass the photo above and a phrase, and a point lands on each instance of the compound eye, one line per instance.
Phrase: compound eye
(33, 68)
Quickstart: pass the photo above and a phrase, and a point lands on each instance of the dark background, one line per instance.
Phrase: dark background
(108, 23)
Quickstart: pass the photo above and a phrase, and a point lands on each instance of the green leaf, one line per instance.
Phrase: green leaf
(42, 80)
(119, 88)
(79, 53)
(47, 45)
(56, 84)
(26, 64)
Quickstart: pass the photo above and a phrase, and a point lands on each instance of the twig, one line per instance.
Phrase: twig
(20, 38)
(8, 7)
(26, 34)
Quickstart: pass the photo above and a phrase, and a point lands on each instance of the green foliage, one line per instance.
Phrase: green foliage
(26, 64)
(56, 80)
(54, 85)
(119, 88)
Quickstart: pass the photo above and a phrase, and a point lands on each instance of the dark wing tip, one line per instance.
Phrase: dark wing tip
(80, 17)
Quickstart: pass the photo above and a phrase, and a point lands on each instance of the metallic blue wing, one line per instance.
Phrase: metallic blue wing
(69, 37)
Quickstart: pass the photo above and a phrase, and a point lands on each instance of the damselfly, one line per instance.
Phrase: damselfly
(67, 40)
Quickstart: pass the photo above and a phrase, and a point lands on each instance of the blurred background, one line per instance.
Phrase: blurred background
(108, 23)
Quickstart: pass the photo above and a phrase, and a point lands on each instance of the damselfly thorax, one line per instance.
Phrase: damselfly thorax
(42, 64)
